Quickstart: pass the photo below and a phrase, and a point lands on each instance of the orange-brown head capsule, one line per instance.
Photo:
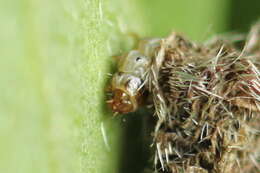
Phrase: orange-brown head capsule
(126, 92)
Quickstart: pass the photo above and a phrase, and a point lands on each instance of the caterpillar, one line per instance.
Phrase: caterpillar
(205, 98)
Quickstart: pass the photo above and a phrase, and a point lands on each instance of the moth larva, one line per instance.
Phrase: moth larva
(206, 98)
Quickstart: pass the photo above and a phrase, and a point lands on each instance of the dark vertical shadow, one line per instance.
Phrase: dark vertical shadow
(136, 142)
(243, 14)
(134, 151)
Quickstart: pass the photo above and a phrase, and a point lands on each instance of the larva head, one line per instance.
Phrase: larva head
(127, 84)
(126, 93)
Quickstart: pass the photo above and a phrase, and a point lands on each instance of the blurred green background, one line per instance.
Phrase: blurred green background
(55, 56)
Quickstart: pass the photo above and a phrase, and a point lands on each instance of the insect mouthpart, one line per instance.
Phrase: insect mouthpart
(121, 102)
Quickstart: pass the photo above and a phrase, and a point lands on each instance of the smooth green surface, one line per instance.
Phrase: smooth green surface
(198, 19)
(55, 56)
(243, 15)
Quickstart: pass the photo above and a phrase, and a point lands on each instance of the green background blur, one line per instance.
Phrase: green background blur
(55, 56)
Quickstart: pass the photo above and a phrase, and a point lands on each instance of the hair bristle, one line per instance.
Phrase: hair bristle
(207, 100)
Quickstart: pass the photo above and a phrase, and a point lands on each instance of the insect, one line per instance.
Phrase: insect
(206, 98)
(128, 83)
